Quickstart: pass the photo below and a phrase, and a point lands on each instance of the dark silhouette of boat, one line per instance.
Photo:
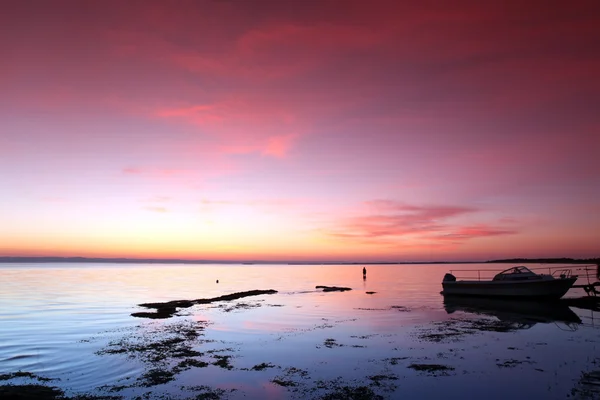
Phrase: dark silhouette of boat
(515, 282)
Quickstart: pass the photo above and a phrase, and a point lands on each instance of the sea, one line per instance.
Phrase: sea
(69, 327)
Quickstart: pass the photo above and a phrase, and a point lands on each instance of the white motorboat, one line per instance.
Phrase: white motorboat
(514, 282)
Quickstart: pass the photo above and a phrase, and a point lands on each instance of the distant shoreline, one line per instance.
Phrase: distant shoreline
(11, 259)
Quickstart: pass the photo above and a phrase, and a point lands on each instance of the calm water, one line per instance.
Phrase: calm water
(72, 323)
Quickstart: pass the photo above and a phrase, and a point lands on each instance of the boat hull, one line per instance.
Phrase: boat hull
(547, 289)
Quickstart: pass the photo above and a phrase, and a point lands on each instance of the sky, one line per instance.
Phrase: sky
(308, 130)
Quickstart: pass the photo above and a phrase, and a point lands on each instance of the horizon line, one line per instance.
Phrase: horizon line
(125, 260)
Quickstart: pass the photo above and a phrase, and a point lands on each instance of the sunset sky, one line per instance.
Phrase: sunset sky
(300, 130)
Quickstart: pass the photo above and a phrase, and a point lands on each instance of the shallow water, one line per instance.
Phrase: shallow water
(72, 323)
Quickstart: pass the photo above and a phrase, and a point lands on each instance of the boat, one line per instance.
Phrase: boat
(514, 282)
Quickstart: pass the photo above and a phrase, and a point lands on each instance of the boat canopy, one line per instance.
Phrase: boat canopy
(516, 273)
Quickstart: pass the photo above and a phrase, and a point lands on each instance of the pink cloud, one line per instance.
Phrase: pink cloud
(278, 146)
(241, 126)
(233, 149)
(418, 213)
(276, 50)
(233, 111)
(474, 231)
(395, 221)
(193, 112)
(131, 170)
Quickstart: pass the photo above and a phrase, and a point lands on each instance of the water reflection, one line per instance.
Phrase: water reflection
(73, 323)
(523, 313)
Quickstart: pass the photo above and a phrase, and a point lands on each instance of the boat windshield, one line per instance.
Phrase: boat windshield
(520, 272)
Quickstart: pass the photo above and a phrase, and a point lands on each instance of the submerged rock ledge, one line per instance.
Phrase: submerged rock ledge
(333, 288)
(167, 309)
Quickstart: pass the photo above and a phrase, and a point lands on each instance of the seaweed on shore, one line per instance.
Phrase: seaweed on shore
(588, 386)
(455, 329)
(156, 376)
(203, 392)
(262, 366)
(222, 361)
(511, 363)
(166, 351)
(41, 392)
(289, 374)
(431, 368)
(378, 379)
(333, 288)
(169, 308)
(331, 343)
(284, 382)
(394, 360)
(23, 374)
(237, 306)
(177, 342)
(30, 392)
(300, 382)
(352, 393)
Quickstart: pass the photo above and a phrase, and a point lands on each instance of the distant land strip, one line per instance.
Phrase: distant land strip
(13, 259)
